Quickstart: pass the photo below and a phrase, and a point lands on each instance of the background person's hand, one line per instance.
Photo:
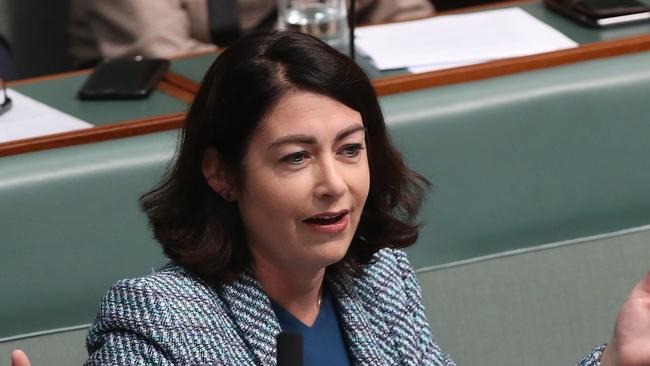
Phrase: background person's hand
(19, 358)
(630, 343)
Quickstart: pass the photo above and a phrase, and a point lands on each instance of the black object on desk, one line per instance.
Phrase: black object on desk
(601, 13)
(5, 101)
(124, 79)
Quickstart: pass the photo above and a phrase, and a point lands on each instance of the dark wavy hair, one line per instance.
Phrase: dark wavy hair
(204, 232)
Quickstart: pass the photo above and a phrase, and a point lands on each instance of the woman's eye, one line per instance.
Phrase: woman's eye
(295, 158)
(352, 150)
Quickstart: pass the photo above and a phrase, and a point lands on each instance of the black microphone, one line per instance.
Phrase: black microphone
(289, 352)
(352, 16)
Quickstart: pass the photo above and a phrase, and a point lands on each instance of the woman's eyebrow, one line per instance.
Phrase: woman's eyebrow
(348, 131)
(293, 139)
(311, 140)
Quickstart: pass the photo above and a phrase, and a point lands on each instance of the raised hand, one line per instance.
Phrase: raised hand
(630, 343)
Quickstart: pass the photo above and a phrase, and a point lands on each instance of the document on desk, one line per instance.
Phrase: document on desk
(457, 40)
(30, 118)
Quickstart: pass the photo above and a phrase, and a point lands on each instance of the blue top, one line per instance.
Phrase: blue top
(324, 344)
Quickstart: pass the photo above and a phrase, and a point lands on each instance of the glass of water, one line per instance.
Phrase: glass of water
(325, 19)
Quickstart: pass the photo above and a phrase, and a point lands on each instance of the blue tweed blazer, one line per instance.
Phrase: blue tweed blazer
(172, 317)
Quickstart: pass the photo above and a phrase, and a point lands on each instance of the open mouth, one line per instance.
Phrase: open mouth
(327, 219)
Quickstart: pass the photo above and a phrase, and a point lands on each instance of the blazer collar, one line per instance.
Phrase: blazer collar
(250, 309)
(361, 336)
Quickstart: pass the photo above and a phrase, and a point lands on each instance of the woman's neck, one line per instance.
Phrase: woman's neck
(298, 292)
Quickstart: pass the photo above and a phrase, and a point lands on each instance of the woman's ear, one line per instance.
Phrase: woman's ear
(216, 175)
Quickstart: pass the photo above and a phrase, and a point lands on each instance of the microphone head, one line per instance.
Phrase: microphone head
(289, 352)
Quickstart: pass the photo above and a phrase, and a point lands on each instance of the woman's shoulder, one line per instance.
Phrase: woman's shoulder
(389, 263)
(387, 275)
(170, 280)
(170, 290)
(170, 313)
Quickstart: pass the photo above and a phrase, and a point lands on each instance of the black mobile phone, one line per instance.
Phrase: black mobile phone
(122, 78)
(601, 13)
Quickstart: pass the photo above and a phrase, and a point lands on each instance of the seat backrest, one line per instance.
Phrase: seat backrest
(529, 158)
(546, 305)
(53, 348)
(71, 226)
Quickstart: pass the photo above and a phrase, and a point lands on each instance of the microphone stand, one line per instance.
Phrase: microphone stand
(352, 15)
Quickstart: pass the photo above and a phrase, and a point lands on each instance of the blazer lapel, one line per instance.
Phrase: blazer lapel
(250, 309)
(361, 335)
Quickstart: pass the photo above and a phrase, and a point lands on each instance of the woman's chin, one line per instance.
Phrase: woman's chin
(331, 253)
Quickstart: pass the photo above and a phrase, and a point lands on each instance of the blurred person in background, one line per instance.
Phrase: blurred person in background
(165, 28)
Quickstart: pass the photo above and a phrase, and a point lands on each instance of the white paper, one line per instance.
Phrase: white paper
(441, 66)
(30, 118)
(459, 39)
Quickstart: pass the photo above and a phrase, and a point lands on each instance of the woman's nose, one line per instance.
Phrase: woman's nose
(330, 181)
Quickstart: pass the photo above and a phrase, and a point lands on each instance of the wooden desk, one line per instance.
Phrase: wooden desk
(164, 109)
(187, 72)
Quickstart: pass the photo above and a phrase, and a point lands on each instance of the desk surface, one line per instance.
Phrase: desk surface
(61, 93)
(163, 109)
(594, 43)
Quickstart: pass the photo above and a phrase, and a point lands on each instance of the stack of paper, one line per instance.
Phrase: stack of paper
(30, 118)
(456, 40)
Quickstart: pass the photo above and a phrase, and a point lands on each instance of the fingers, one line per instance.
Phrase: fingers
(644, 285)
(19, 358)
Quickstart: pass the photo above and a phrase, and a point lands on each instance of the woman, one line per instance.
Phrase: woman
(285, 209)
(285, 189)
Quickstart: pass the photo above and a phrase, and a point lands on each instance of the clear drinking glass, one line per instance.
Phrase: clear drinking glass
(325, 19)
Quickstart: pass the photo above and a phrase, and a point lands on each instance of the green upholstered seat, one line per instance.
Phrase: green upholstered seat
(71, 226)
(546, 305)
(530, 158)
(52, 348)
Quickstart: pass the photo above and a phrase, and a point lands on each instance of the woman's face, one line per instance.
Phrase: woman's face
(306, 180)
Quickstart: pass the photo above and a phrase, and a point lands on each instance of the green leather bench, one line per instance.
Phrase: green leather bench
(517, 162)
(71, 226)
(545, 305)
(530, 158)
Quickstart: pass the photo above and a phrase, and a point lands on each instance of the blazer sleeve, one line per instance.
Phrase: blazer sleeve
(423, 349)
(128, 329)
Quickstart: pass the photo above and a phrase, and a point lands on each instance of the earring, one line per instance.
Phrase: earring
(228, 196)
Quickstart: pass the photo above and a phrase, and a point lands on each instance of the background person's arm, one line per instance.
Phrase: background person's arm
(378, 11)
(116, 28)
